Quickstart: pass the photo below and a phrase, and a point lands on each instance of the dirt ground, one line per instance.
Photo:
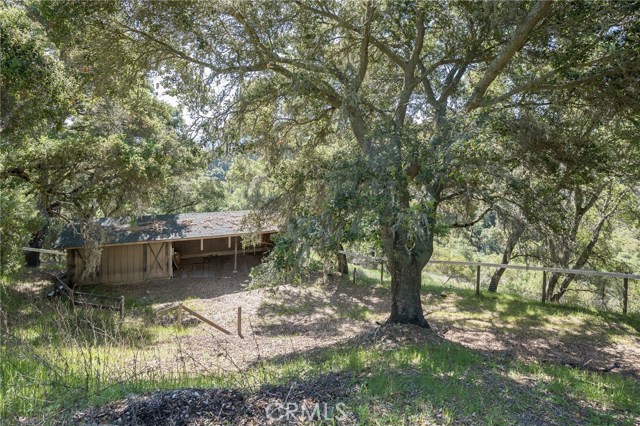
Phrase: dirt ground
(288, 320)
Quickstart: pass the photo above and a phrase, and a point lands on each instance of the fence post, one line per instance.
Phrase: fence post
(381, 272)
(180, 315)
(478, 280)
(544, 286)
(625, 296)
(240, 321)
(354, 275)
(121, 308)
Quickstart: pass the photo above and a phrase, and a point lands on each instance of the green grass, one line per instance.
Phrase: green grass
(447, 381)
(522, 309)
(55, 360)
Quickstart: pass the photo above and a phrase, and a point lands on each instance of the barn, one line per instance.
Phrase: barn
(160, 246)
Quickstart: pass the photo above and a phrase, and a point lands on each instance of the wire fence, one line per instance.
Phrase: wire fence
(602, 289)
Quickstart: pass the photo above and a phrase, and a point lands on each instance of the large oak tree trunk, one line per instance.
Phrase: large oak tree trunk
(406, 305)
(563, 288)
(579, 263)
(551, 285)
(405, 266)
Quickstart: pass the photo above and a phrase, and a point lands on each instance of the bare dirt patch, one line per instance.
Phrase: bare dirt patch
(546, 334)
(288, 320)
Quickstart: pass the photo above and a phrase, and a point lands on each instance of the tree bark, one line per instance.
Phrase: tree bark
(32, 259)
(580, 262)
(406, 305)
(405, 266)
(563, 288)
(551, 285)
(513, 239)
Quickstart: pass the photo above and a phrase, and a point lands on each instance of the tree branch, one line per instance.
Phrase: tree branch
(473, 222)
(518, 39)
(364, 48)
(410, 81)
(395, 57)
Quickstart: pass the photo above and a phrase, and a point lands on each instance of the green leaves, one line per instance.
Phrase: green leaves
(35, 93)
(71, 149)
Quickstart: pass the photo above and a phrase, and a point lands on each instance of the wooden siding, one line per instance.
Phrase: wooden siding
(126, 263)
(157, 260)
(131, 263)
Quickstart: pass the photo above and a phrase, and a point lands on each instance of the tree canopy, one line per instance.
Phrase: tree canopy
(69, 150)
(376, 116)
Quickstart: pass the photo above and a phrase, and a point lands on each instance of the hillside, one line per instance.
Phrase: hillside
(493, 359)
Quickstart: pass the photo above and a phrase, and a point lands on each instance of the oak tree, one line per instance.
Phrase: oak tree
(398, 92)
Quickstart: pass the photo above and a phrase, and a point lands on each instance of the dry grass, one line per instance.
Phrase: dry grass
(294, 334)
(285, 320)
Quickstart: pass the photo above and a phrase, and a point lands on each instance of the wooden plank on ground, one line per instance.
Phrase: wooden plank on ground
(166, 309)
(205, 320)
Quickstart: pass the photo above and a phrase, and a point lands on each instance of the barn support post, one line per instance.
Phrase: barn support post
(625, 296)
(170, 259)
(235, 256)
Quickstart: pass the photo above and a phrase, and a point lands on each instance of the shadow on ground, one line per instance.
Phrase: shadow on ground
(583, 338)
(389, 375)
(221, 281)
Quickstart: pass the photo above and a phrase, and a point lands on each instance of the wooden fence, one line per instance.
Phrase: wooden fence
(91, 300)
(625, 277)
(58, 254)
(180, 308)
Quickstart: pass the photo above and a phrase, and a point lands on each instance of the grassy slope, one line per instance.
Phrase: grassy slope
(425, 378)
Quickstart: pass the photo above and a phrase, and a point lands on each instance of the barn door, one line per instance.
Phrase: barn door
(155, 260)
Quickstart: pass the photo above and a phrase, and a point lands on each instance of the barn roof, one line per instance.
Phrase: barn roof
(125, 230)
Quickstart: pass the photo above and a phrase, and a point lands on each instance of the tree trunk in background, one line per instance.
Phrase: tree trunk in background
(579, 263)
(563, 288)
(512, 241)
(32, 259)
(551, 285)
(343, 267)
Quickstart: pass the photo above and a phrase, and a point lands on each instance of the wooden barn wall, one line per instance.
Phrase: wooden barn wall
(157, 258)
(123, 264)
(138, 262)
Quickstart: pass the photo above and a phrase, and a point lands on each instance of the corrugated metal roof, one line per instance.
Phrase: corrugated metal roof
(164, 228)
